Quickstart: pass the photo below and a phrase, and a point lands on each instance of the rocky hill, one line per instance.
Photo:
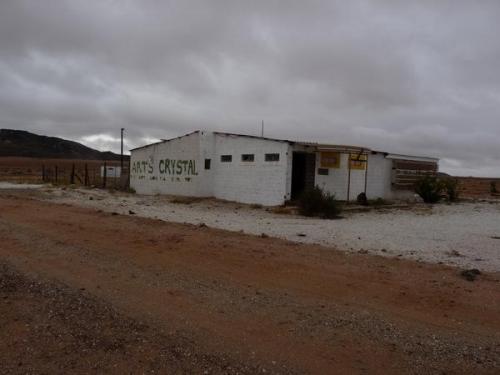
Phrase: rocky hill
(21, 143)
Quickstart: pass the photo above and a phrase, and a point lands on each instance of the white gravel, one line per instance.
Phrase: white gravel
(462, 235)
(14, 186)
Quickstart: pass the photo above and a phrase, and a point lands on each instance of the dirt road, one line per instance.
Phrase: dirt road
(87, 291)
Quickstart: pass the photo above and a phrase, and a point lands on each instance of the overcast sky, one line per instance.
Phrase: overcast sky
(419, 77)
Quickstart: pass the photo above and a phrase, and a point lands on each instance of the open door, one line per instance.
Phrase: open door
(303, 167)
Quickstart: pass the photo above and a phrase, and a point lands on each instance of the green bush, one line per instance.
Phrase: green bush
(316, 202)
(493, 187)
(362, 199)
(432, 189)
(429, 188)
(450, 186)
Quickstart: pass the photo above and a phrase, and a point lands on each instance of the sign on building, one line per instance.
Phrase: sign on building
(111, 171)
(330, 160)
(358, 161)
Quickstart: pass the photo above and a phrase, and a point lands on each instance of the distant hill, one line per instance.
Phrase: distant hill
(22, 143)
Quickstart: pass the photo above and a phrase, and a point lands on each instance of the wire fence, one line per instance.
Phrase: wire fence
(94, 173)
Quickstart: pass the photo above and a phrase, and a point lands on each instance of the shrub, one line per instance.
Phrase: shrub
(316, 202)
(429, 188)
(450, 186)
(186, 200)
(493, 187)
(362, 200)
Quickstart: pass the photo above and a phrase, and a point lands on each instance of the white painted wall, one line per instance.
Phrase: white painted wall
(259, 181)
(337, 180)
(207, 151)
(379, 177)
(149, 173)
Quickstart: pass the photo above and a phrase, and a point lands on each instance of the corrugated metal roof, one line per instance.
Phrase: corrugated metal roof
(317, 146)
(412, 158)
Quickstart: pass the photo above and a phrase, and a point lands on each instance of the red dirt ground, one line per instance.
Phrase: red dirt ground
(84, 291)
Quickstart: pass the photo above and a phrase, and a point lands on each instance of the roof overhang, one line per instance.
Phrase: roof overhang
(335, 148)
(412, 158)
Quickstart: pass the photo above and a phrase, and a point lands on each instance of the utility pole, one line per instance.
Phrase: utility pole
(121, 152)
(262, 129)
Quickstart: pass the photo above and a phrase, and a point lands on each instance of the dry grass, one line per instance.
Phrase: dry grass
(186, 200)
(284, 210)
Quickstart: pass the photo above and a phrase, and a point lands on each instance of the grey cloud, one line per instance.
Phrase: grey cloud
(410, 77)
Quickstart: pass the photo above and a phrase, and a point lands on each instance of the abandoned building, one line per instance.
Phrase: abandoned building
(251, 169)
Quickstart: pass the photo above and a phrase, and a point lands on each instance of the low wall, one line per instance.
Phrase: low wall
(477, 187)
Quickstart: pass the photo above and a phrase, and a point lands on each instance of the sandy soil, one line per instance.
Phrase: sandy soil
(87, 291)
(464, 235)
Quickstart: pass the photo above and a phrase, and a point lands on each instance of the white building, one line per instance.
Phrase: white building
(267, 171)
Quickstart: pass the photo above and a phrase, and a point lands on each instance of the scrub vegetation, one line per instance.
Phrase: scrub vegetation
(317, 202)
(432, 189)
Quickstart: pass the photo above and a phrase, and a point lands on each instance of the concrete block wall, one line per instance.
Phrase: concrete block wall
(260, 181)
(177, 167)
(337, 180)
(171, 167)
(207, 176)
(379, 177)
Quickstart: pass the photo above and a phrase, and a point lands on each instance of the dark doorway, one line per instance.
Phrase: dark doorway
(303, 165)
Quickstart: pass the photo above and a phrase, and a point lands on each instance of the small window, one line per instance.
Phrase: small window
(272, 157)
(207, 163)
(247, 157)
(226, 158)
(323, 171)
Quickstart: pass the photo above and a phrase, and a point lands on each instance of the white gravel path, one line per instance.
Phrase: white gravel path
(465, 235)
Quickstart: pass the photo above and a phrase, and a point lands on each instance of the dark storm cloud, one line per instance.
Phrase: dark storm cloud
(416, 77)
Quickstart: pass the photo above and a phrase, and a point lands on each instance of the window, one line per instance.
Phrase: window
(247, 157)
(207, 163)
(323, 171)
(226, 158)
(272, 157)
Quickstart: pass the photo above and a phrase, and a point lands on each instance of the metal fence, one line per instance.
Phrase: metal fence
(64, 172)
(85, 175)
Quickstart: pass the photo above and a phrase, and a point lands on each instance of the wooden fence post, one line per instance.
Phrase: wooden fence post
(72, 178)
(43, 172)
(104, 176)
(86, 183)
(55, 170)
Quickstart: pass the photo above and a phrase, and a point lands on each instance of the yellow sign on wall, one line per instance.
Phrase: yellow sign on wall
(330, 160)
(358, 161)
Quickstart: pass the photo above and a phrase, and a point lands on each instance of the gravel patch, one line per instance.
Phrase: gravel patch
(51, 328)
(14, 186)
(463, 235)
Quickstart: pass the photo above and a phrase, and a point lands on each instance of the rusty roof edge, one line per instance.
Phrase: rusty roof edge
(333, 147)
(412, 157)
